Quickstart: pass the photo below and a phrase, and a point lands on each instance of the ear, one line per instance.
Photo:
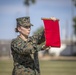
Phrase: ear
(19, 29)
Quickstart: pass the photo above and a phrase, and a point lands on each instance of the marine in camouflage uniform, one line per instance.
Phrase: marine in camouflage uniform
(25, 53)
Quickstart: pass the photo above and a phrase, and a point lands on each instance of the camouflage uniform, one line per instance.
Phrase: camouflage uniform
(25, 55)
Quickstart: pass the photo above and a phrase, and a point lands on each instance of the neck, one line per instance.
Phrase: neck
(23, 37)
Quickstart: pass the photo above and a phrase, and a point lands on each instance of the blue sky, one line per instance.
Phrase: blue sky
(12, 9)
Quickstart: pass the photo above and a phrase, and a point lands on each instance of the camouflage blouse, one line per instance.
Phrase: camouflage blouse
(25, 55)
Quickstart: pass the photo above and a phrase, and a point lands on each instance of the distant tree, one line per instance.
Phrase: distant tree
(74, 18)
(38, 30)
(27, 3)
(74, 26)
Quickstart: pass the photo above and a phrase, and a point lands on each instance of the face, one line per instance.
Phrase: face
(24, 30)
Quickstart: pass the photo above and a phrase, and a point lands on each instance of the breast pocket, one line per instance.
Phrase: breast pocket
(29, 45)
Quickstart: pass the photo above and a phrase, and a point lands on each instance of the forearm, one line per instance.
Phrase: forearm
(41, 37)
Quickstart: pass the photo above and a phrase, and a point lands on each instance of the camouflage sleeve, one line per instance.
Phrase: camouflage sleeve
(22, 48)
(40, 37)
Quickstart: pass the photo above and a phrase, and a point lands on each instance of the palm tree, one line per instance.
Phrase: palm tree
(27, 3)
(74, 2)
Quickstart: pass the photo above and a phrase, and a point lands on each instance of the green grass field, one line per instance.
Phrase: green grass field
(47, 67)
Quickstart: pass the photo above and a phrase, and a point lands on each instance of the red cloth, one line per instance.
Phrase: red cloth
(52, 33)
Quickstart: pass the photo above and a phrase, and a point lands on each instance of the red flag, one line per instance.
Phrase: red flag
(52, 32)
